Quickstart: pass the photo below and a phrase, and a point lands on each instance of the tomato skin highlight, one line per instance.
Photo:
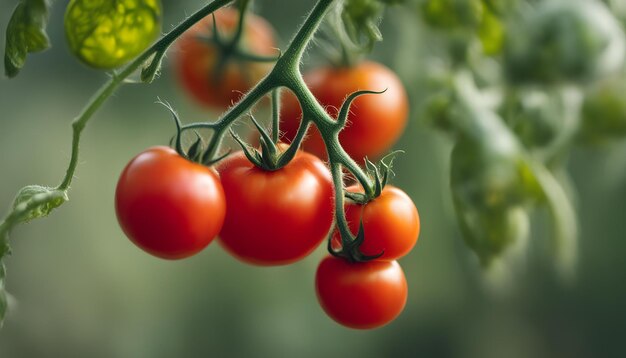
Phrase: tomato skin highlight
(275, 217)
(168, 206)
(196, 59)
(375, 122)
(361, 295)
(391, 223)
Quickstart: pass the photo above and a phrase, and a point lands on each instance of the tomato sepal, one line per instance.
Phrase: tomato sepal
(271, 157)
(198, 152)
(351, 247)
(380, 173)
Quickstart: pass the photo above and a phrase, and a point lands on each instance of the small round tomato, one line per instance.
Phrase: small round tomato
(168, 206)
(197, 58)
(391, 223)
(361, 295)
(107, 34)
(275, 217)
(375, 122)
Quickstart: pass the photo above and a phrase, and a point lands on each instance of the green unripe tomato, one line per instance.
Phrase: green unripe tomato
(490, 174)
(562, 41)
(534, 117)
(604, 112)
(108, 33)
(489, 233)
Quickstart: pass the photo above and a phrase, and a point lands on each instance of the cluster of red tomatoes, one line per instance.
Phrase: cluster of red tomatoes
(172, 207)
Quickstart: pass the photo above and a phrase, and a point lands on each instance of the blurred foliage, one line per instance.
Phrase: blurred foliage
(86, 291)
(564, 40)
(534, 116)
(604, 112)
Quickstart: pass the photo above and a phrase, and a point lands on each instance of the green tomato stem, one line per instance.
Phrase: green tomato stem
(329, 129)
(340, 215)
(293, 56)
(275, 114)
(243, 9)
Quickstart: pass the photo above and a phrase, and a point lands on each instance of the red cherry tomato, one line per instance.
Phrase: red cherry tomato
(361, 295)
(376, 121)
(391, 223)
(168, 206)
(196, 59)
(275, 217)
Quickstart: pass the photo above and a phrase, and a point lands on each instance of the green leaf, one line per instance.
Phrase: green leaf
(26, 33)
(31, 202)
(35, 201)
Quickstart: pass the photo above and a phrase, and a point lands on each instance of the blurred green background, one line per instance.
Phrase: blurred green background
(81, 289)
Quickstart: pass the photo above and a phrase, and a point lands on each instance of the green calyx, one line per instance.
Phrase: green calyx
(351, 247)
(229, 49)
(198, 151)
(270, 157)
(379, 173)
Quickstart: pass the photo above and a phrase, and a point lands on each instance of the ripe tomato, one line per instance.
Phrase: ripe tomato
(375, 121)
(275, 217)
(196, 59)
(361, 295)
(167, 205)
(391, 223)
